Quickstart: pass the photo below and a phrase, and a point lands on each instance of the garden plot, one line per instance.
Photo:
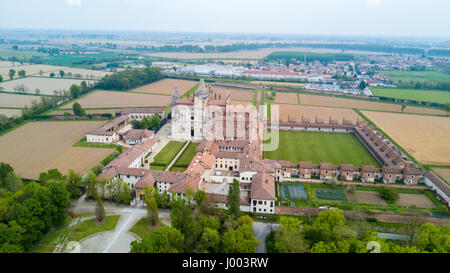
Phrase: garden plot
(46, 86)
(370, 197)
(289, 191)
(418, 200)
(330, 195)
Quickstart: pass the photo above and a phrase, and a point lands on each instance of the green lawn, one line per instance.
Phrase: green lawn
(187, 156)
(142, 228)
(167, 154)
(90, 227)
(316, 146)
(413, 94)
(422, 76)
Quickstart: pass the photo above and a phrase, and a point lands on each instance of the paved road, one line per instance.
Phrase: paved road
(261, 230)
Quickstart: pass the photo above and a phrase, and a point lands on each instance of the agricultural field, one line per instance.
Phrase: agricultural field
(88, 111)
(30, 69)
(290, 98)
(16, 100)
(166, 87)
(10, 112)
(71, 72)
(422, 76)
(316, 146)
(444, 173)
(290, 84)
(426, 138)
(241, 55)
(236, 94)
(39, 146)
(418, 200)
(363, 104)
(47, 86)
(166, 155)
(113, 99)
(413, 94)
(297, 111)
(186, 157)
(370, 197)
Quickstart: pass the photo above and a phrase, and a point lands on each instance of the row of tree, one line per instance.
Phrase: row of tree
(331, 233)
(129, 78)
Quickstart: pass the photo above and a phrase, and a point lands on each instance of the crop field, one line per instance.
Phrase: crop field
(317, 146)
(166, 155)
(185, 159)
(39, 146)
(413, 94)
(10, 112)
(244, 55)
(444, 173)
(236, 94)
(79, 73)
(290, 98)
(432, 76)
(88, 111)
(16, 100)
(426, 138)
(297, 111)
(166, 87)
(293, 84)
(330, 195)
(31, 70)
(112, 99)
(362, 104)
(370, 197)
(47, 86)
(418, 200)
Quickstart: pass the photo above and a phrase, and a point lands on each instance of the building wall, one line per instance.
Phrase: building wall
(262, 206)
(102, 139)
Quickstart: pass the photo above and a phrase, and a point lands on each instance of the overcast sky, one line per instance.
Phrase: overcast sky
(341, 17)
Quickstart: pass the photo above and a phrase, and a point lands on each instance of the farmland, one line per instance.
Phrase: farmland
(290, 98)
(166, 87)
(71, 72)
(370, 197)
(10, 112)
(363, 104)
(315, 146)
(418, 200)
(31, 70)
(39, 146)
(444, 173)
(16, 100)
(297, 111)
(413, 94)
(243, 55)
(88, 111)
(47, 86)
(422, 76)
(424, 137)
(293, 84)
(236, 94)
(112, 99)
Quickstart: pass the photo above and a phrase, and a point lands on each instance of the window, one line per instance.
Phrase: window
(368, 174)
(254, 209)
(259, 202)
(271, 204)
(254, 202)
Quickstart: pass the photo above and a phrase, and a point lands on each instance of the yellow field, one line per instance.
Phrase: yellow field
(297, 111)
(111, 99)
(426, 138)
(40, 146)
(290, 98)
(236, 94)
(362, 104)
(166, 87)
(444, 173)
(31, 70)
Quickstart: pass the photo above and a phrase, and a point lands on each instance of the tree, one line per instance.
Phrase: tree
(21, 73)
(52, 75)
(234, 199)
(434, 238)
(1, 78)
(152, 211)
(164, 200)
(77, 109)
(447, 108)
(12, 182)
(240, 240)
(329, 225)
(75, 91)
(388, 194)
(74, 183)
(11, 73)
(99, 210)
(209, 241)
(37, 91)
(161, 240)
(52, 174)
(289, 237)
(62, 73)
(362, 85)
(403, 107)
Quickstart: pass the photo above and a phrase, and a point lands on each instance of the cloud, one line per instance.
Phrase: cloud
(73, 2)
(374, 2)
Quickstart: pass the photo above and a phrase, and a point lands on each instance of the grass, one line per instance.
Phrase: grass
(186, 157)
(83, 143)
(413, 94)
(166, 155)
(89, 227)
(143, 228)
(422, 76)
(317, 146)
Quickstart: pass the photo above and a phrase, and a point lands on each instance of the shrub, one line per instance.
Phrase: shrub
(388, 194)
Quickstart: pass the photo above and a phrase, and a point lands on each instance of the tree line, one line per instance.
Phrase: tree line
(129, 78)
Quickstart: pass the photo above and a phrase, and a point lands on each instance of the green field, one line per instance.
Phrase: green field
(316, 146)
(413, 94)
(166, 155)
(422, 76)
(183, 161)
